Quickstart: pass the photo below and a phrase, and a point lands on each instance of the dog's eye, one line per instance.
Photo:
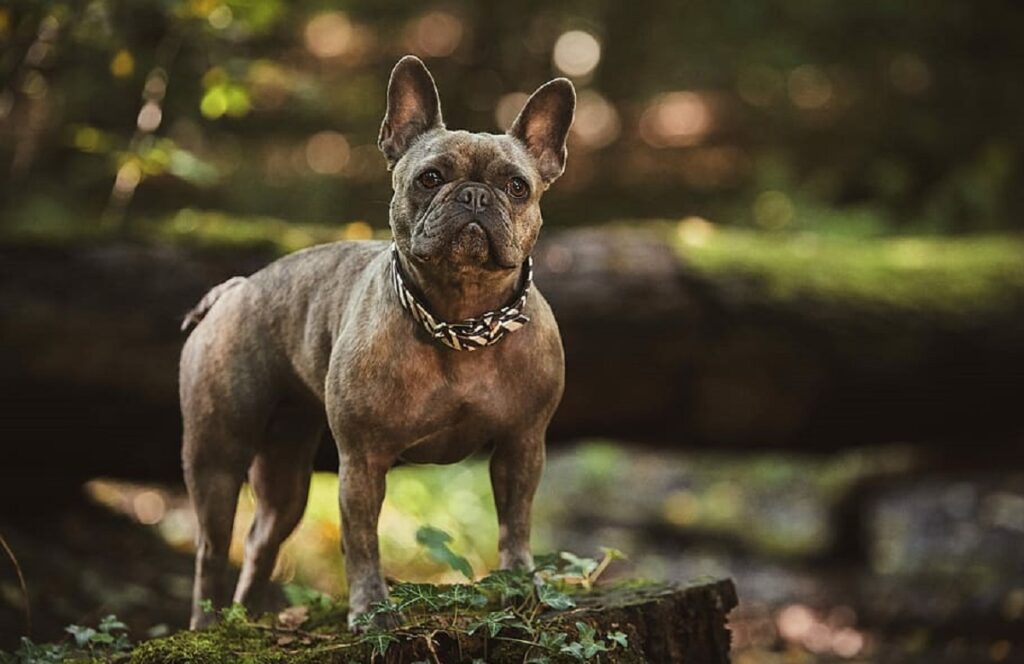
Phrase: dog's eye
(431, 179)
(517, 187)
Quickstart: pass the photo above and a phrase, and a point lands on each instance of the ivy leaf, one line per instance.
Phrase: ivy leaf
(376, 609)
(380, 641)
(82, 635)
(463, 596)
(578, 566)
(552, 640)
(613, 554)
(621, 639)
(553, 598)
(112, 624)
(415, 595)
(548, 562)
(494, 622)
(436, 542)
(508, 584)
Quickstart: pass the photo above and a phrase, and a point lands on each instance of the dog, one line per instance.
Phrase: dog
(426, 349)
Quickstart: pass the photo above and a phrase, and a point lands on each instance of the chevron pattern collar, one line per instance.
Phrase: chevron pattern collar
(472, 333)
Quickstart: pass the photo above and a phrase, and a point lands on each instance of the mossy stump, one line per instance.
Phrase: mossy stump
(628, 622)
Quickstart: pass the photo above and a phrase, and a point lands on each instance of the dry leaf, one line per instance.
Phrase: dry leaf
(293, 617)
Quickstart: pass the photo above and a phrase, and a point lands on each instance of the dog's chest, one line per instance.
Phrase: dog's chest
(435, 405)
(465, 406)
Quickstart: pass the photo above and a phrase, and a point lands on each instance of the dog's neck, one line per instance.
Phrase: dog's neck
(456, 294)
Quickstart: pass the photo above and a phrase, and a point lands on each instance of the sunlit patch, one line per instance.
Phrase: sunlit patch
(576, 53)
(695, 231)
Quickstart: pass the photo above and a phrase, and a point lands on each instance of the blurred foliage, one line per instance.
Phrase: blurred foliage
(762, 114)
(928, 274)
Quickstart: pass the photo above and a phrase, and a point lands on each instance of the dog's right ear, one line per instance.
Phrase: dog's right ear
(413, 108)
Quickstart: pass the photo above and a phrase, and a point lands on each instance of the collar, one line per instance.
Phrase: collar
(472, 333)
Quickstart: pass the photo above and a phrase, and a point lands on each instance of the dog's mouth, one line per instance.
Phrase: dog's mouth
(467, 240)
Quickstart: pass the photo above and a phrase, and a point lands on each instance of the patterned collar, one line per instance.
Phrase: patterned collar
(472, 333)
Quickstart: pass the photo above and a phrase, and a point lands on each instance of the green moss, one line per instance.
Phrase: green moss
(931, 274)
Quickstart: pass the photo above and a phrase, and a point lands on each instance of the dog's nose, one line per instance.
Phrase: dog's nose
(474, 197)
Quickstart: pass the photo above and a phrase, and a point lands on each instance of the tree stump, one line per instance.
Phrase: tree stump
(620, 623)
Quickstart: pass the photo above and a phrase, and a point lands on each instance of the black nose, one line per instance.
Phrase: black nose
(474, 197)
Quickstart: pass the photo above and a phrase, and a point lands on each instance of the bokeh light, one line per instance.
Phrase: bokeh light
(508, 107)
(597, 122)
(435, 34)
(576, 53)
(149, 117)
(676, 119)
(910, 74)
(809, 87)
(328, 35)
(327, 153)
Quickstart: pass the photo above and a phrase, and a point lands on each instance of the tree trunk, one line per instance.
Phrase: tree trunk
(656, 352)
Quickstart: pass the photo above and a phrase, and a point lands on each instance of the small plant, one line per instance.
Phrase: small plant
(436, 542)
(108, 638)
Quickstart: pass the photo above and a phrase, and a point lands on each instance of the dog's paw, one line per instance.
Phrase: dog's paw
(363, 622)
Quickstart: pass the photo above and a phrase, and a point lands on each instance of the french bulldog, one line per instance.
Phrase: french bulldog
(426, 349)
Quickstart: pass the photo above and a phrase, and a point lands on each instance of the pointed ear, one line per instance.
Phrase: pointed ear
(543, 125)
(413, 108)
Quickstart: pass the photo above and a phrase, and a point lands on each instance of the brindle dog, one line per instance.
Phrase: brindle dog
(321, 339)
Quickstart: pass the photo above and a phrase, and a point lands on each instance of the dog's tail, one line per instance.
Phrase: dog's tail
(199, 311)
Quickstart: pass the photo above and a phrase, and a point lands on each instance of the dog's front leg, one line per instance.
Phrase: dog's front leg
(516, 467)
(361, 493)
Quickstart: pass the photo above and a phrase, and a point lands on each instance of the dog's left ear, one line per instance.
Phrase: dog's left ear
(413, 108)
(543, 125)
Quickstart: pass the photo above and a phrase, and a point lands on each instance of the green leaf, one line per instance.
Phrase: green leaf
(436, 542)
(297, 595)
(376, 609)
(586, 632)
(552, 640)
(494, 622)
(416, 595)
(380, 641)
(553, 598)
(112, 624)
(621, 639)
(613, 554)
(548, 562)
(462, 595)
(508, 584)
(578, 566)
(82, 635)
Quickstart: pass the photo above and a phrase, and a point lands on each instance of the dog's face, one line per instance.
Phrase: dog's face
(464, 200)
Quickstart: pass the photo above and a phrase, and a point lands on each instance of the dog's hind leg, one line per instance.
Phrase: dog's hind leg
(280, 481)
(214, 470)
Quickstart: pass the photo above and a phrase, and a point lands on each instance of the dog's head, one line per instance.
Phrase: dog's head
(466, 200)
